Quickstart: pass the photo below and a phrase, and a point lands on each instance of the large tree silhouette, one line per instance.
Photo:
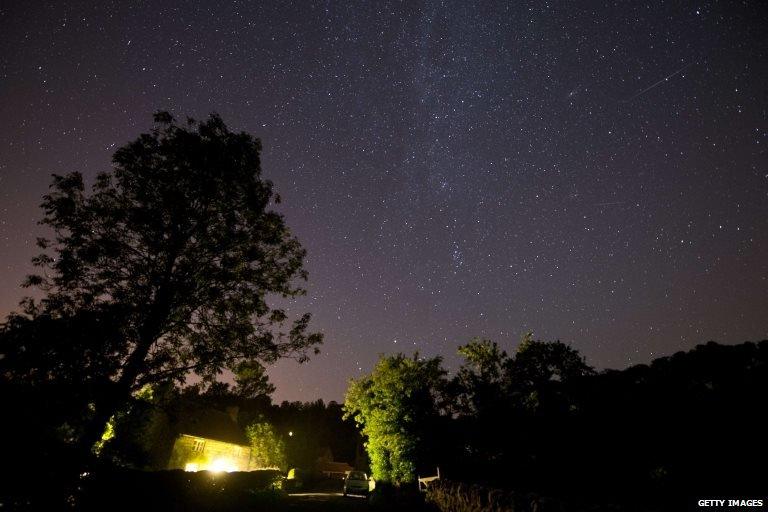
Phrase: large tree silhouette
(163, 269)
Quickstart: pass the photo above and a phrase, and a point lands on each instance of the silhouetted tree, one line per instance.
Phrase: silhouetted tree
(140, 435)
(479, 382)
(398, 408)
(162, 270)
(481, 405)
(496, 399)
(251, 380)
(536, 374)
(690, 422)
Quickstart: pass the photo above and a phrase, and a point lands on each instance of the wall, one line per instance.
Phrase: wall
(184, 453)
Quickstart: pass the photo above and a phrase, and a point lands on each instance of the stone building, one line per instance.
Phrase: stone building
(211, 440)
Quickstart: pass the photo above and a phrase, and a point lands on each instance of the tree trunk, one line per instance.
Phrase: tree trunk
(118, 394)
(113, 399)
(108, 400)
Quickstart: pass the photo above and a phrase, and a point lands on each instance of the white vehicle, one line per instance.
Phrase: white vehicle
(356, 482)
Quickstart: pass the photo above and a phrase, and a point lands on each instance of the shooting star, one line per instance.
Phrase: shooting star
(656, 84)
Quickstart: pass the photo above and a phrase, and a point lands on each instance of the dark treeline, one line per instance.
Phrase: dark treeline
(541, 420)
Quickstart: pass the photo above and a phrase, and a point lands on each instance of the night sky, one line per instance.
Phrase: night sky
(595, 172)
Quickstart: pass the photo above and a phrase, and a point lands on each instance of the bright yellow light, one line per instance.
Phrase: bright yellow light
(220, 465)
(192, 466)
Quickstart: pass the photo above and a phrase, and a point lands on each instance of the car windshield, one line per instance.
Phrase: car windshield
(357, 475)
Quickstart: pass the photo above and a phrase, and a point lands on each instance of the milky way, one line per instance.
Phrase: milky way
(454, 169)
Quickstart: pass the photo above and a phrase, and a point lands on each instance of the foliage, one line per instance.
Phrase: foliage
(539, 370)
(317, 428)
(251, 383)
(140, 434)
(145, 432)
(531, 379)
(537, 362)
(267, 447)
(396, 406)
(480, 380)
(123, 489)
(251, 380)
(162, 270)
(559, 428)
(463, 497)
(45, 349)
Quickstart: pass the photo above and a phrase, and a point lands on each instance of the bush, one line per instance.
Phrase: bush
(386, 496)
(180, 490)
(451, 496)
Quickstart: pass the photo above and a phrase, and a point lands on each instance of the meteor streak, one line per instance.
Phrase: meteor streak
(665, 79)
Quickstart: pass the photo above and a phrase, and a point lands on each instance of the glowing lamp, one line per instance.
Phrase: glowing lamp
(222, 465)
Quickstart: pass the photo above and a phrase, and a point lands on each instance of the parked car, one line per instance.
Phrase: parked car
(356, 482)
(295, 479)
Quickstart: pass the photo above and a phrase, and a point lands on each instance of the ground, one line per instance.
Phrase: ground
(325, 501)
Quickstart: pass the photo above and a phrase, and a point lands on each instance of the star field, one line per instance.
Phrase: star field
(595, 172)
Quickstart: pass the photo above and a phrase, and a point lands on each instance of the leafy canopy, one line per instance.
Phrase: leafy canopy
(396, 406)
(163, 269)
(538, 363)
(479, 382)
(267, 447)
